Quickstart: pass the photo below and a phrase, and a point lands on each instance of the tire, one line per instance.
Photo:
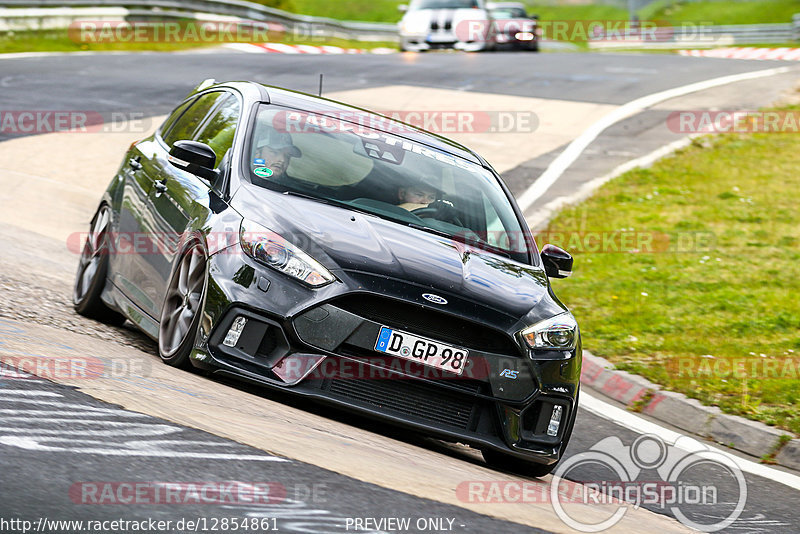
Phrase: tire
(183, 303)
(90, 280)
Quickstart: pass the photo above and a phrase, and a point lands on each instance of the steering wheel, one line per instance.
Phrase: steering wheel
(439, 213)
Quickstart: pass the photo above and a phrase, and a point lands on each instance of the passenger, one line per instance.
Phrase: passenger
(417, 196)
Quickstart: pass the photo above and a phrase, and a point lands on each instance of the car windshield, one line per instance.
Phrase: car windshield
(442, 4)
(509, 13)
(359, 168)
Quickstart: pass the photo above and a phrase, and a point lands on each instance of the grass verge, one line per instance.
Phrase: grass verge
(364, 10)
(723, 12)
(60, 41)
(708, 306)
(717, 11)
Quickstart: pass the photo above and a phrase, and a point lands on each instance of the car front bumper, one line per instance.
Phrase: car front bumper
(423, 43)
(320, 344)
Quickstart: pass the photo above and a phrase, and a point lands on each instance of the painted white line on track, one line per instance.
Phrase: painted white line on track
(633, 422)
(27, 393)
(576, 147)
(30, 443)
(33, 55)
(543, 215)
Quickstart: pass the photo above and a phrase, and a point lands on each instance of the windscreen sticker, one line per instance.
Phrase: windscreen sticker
(383, 151)
(377, 144)
(263, 172)
(259, 161)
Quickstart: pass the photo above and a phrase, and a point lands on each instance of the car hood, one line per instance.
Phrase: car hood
(424, 17)
(354, 242)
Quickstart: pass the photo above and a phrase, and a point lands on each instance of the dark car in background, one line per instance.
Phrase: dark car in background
(273, 236)
(514, 28)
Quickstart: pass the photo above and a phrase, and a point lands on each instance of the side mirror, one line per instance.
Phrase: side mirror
(533, 16)
(557, 261)
(402, 7)
(196, 158)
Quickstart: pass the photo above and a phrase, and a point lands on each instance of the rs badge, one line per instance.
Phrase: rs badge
(509, 373)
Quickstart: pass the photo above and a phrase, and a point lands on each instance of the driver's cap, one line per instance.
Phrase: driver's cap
(278, 141)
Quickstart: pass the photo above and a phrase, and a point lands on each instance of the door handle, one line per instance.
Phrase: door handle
(161, 186)
(134, 163)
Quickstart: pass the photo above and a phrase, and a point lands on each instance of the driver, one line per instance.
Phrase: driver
(274, 153)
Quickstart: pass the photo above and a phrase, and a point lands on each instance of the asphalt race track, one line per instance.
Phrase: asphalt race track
(62, 441)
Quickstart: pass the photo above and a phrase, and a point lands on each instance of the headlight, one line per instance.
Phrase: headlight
(415, 25)
(556, 333)
(267, 247)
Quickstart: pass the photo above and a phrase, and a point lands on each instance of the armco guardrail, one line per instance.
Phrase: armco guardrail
(692, 36)
(362, 31)
(796, 21)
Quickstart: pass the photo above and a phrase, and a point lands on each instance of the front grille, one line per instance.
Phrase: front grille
(410, 398)
(419, 320)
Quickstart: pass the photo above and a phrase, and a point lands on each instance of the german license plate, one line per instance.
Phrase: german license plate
(419, 349)
(440, 38)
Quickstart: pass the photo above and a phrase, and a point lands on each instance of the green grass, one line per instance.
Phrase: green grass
(578, 12)
(365, 10)
(733, 296)
(60, 41)
(718, 12)
(723, 12)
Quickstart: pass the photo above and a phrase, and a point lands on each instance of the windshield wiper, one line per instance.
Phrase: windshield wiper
(328, 201)
(469, 240)
(430, 230)
(307, 196)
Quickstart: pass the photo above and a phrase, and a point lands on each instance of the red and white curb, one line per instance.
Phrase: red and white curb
(280, 48)
(687, 414)
(785, 54)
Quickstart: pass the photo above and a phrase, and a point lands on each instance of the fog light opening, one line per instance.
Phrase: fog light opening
(235, 331)
(555, 421)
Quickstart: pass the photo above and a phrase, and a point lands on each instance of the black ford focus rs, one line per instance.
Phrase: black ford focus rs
(310, 246)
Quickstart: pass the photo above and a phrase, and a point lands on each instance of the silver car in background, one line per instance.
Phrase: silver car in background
(434, 24)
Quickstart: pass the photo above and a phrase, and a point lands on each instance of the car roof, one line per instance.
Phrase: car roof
(501, 5)
(320, 105)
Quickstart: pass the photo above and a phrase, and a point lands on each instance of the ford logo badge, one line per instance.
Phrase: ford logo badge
(436, 299)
